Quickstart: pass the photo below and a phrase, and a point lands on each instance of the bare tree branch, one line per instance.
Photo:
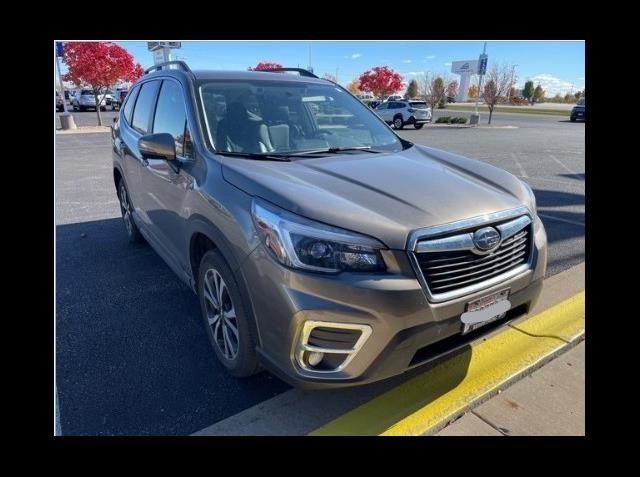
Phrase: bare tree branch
(496, 88)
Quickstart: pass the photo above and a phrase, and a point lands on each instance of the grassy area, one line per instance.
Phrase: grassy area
(512, 109)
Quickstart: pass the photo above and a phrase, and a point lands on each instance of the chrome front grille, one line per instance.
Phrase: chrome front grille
(450, 265)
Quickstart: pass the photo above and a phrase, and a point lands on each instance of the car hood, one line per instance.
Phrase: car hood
(384, 195)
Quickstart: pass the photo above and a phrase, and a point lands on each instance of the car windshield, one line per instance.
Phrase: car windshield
(581, 102)
(285, 117)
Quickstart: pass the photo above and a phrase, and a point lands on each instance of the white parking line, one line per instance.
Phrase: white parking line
(551, 217)
(523, 173)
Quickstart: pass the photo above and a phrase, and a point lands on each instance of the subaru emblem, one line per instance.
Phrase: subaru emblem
(486, 238)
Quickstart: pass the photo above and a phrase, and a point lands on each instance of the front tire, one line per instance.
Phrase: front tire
(418, 126)
(573, 120)
(398, 123)
(225, 316)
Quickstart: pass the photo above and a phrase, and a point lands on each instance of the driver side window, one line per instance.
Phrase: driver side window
(171, 117)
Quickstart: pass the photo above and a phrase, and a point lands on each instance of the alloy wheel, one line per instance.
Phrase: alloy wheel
(221, 314)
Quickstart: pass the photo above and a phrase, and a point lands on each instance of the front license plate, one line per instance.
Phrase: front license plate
(484, 310)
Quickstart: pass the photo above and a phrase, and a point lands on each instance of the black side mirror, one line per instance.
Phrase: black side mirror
(157, 146)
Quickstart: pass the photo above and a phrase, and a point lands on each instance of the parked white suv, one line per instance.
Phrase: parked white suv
(399, 113)
(84, 99)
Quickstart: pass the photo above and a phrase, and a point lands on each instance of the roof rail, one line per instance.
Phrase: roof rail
(302, 71)
(159, 66)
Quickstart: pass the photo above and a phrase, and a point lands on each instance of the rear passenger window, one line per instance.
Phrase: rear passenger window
(128, 105)
(144, 106)
(170, 114)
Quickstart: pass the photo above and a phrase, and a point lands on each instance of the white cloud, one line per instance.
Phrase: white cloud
(415, 73)
(407, 61)
(553, 85)
(447, 64)
(354, 56)
(430, 57)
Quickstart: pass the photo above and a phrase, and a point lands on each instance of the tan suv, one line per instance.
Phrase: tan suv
(320, 244)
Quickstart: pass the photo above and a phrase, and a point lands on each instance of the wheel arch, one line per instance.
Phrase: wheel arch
(117, 177)
(205, 236)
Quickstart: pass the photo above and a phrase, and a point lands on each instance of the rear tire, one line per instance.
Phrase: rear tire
(224, 314)
(133, 233)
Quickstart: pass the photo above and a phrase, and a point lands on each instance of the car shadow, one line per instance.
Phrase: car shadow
(561, 225)
(132, 355)
(573, 176)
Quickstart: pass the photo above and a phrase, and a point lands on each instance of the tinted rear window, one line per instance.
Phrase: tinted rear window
(87, 91)
(418, 104)
(128, 106)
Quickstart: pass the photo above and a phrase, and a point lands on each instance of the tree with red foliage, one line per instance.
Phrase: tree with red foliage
(381, 81)
(265, 65)
(98, 66)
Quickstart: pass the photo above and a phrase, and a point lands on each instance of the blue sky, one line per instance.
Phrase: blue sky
(556, 65)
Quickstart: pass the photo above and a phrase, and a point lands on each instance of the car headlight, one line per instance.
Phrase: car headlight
(301, 243)
(532, 198)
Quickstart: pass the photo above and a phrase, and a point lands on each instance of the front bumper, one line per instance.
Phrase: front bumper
(406, 329)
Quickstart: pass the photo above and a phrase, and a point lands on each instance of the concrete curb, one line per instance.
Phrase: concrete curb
(85, 130)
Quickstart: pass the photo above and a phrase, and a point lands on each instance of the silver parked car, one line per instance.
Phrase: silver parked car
(85, 99)
(320, 244)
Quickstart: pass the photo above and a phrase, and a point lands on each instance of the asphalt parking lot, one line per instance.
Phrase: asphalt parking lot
(132, 356)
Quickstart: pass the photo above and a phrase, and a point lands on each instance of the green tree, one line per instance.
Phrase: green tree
(412, 89)
(528, 90)
(538, 94)
(568, 98)
(578, 95)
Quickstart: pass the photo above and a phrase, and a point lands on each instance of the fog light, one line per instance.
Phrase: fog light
(314, 358)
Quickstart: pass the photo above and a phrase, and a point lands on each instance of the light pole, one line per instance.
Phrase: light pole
(66, 119)
(484, 52)
(513, 75)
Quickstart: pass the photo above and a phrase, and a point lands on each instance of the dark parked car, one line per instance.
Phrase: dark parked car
(451, 99)
(118, 100)
(321, 245)
(59, 102)
(578, 111)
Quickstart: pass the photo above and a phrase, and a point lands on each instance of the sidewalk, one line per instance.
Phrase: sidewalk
(548, 402)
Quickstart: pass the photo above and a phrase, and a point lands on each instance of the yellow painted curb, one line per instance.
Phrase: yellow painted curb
(447, 390)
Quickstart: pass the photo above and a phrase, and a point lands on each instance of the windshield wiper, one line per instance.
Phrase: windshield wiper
(333, 150)
(257, 155)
